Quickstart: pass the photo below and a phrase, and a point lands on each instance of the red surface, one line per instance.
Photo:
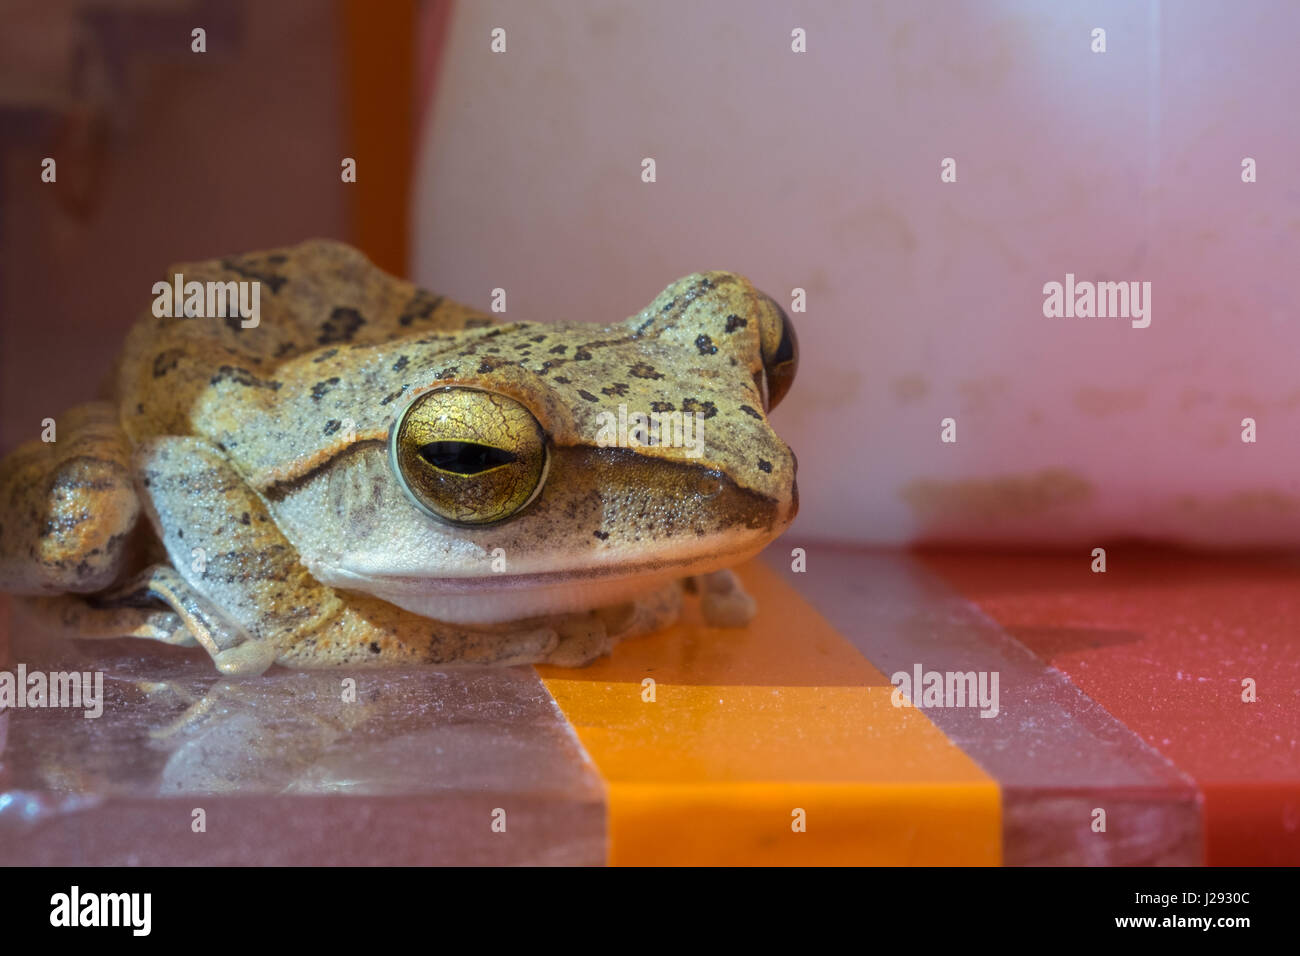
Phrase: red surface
(1163, 641)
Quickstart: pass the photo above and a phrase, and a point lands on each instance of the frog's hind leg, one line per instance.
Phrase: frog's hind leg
(67, 507)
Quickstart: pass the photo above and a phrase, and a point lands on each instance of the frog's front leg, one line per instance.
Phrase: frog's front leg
(724, 602)
(587, 635)
(201, 622)
(238, 573)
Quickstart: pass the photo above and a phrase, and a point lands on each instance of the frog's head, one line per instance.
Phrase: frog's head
(533, 469)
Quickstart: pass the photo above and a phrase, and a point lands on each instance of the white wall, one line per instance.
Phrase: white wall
(821, 171)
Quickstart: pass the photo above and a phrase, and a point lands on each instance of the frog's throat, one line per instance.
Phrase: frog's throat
(499, 598)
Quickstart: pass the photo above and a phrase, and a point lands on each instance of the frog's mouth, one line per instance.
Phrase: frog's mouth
(498, 598)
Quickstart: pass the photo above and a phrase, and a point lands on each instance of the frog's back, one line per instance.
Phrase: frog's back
(318, 296)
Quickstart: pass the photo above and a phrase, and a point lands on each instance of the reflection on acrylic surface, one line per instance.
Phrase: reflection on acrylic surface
(419, 743)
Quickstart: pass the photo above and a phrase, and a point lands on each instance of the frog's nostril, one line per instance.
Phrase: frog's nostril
(710, 485)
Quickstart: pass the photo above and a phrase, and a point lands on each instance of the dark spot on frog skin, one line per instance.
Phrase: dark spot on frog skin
(395, 395)
(64, 524)
(662, 407)
(248, 272)
(561, 380)
(340, 326)
(618, 388)
(707, 409)
(559, 349)
(244, 519)
(705, 345)
(284, 348)
(401, 363)
(374, 647)
(332, 426)
(642, 370)
(751, 412)
(669, 306)
(320, 388)
(538, 338)
(582, 355)
(164, 362)
(602, 535)
(736, 322)
(241, 376)
(583, 393)
(327, 354)
(477, 323)
(421, 306)
(765, 466)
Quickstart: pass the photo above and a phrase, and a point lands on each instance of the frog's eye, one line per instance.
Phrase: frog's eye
(779, 348)
(468, 456)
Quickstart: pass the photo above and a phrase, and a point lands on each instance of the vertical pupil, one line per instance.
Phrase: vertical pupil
(465, 457)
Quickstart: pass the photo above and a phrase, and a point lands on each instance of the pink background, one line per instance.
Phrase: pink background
(817, 170)
(821, 171)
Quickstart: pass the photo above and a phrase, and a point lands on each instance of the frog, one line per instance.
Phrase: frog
(374, 474)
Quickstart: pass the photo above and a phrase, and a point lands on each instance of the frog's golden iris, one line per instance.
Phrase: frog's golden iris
(468, 456)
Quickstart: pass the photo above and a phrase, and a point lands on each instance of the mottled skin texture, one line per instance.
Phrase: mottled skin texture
(67, 507)
(266, 449)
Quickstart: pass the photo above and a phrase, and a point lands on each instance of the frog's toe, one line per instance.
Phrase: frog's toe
(246, 660)
(724, 601)
(582, 638)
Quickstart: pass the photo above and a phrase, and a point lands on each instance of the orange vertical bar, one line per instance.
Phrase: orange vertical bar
(379, 40)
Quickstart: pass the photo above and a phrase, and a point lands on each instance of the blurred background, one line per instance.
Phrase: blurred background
(817, 171)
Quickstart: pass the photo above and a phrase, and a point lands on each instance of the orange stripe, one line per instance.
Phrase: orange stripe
(379, 39)
(749, 726)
